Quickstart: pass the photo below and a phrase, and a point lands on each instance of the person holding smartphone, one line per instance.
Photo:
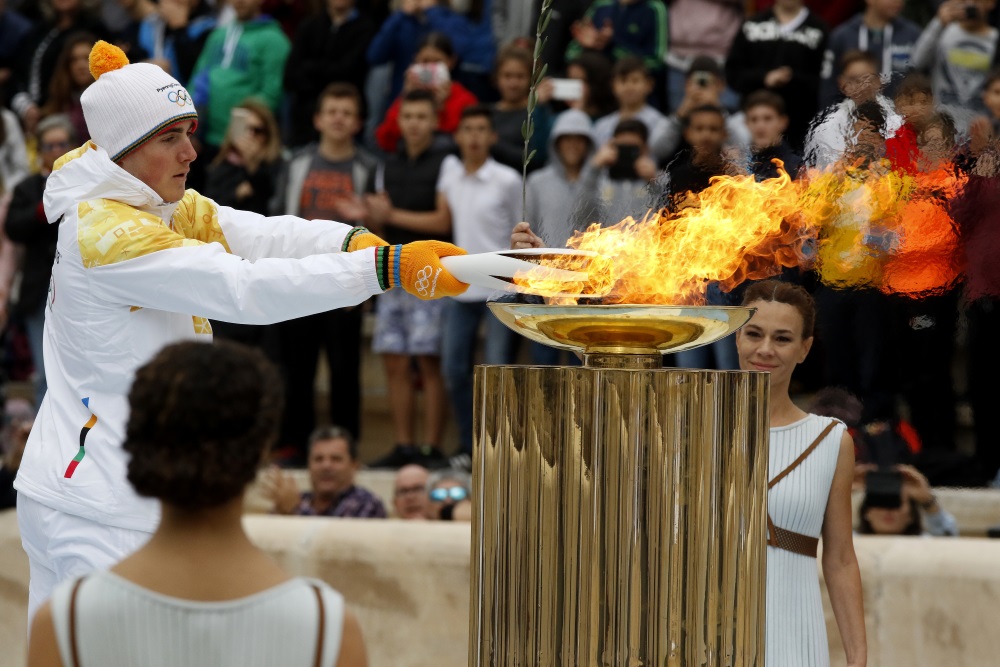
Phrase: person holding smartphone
(430, 70)
(915, 512)
(704, 86)
(958, 47)
(621, 173)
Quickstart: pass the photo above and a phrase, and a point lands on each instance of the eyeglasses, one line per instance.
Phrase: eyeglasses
(455, 493)
(410, 490)
(55, 146)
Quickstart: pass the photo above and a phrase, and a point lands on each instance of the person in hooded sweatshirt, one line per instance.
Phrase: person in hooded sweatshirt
(559, 203)
(141, 263)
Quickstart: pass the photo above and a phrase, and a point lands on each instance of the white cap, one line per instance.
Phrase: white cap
(128, 105)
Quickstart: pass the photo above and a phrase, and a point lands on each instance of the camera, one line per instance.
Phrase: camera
(624, 167)
(884, 488)
(431, 75)
(972, 13)
(702, 79)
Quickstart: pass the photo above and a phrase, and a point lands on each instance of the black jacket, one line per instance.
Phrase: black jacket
(26, 224)
(760, 47)
(221, 181)
(762, 167)
(322, 54)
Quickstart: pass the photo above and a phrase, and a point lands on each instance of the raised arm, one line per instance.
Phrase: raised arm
(840, 564)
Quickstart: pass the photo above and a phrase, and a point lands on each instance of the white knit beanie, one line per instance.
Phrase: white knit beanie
(128, 105)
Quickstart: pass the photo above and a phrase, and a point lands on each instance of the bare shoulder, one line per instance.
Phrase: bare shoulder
(43, 647)
(352, 643)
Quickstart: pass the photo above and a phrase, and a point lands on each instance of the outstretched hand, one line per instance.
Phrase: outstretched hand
(421, 272)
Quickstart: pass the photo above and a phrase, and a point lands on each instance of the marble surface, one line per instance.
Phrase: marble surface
(928, 602)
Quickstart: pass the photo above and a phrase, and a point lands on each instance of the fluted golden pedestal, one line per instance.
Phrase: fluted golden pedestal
(619, 516)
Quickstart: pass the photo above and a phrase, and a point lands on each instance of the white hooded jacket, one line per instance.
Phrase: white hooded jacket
(132, 274)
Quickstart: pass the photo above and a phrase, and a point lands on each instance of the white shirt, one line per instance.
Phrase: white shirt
(485, 205)
(122, 624)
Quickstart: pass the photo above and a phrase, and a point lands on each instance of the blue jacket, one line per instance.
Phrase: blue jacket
(397, 40)
(640, 29)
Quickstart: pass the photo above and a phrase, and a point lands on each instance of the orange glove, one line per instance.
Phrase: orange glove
(416, 267)
(360, 238)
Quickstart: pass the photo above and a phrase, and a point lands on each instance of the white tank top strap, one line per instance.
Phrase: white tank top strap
(101, 619)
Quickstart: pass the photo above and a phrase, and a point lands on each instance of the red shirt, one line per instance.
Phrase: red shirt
(902, 149)
(388, 135)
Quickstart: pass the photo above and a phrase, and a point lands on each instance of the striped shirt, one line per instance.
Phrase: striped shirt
(354, 503)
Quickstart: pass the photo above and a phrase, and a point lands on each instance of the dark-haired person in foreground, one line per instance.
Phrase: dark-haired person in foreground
(199, 593)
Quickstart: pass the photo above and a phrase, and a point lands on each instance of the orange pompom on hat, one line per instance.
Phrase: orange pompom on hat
(129, 104)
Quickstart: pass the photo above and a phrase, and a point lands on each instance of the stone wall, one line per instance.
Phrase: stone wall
(928, 602)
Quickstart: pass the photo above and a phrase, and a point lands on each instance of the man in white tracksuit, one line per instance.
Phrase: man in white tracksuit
(140, 263)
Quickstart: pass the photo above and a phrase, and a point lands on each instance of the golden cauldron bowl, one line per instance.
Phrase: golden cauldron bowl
(626, 329)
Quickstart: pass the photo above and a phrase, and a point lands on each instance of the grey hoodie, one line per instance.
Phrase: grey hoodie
(557, 206)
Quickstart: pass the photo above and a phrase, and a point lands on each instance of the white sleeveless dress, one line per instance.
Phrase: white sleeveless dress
(796, 630)
(121, 624)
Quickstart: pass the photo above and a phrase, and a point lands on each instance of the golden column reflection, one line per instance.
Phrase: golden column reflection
(619, 515)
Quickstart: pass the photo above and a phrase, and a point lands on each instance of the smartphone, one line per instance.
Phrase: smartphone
(884, 488)
(702, 79)
(567, 90)
(624, 167)
(239, 121)
(431, 75)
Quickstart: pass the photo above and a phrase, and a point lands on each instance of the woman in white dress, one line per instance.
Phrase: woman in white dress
(199, 593)
(811, 467)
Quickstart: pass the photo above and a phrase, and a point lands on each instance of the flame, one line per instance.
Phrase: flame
(858, 227)
(886, 230)
(736, 229)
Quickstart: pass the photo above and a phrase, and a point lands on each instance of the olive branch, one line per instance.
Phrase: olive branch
(538, 71)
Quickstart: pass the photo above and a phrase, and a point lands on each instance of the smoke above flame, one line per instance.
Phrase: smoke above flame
(872, 228)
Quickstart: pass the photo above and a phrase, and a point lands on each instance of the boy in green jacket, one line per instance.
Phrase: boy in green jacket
(245, 58)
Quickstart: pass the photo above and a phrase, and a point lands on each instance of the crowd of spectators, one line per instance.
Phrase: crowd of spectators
(407, 117)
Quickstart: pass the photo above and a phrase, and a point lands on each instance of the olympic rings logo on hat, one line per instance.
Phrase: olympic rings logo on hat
(179, 97)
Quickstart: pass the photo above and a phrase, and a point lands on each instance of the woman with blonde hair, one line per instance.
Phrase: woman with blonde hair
(243, 174)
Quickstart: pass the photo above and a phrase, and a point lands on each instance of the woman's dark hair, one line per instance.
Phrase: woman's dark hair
(912, 528)
(598, 74)
(789, 293)
(439, 41)
(61, 87)
(202, 418)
